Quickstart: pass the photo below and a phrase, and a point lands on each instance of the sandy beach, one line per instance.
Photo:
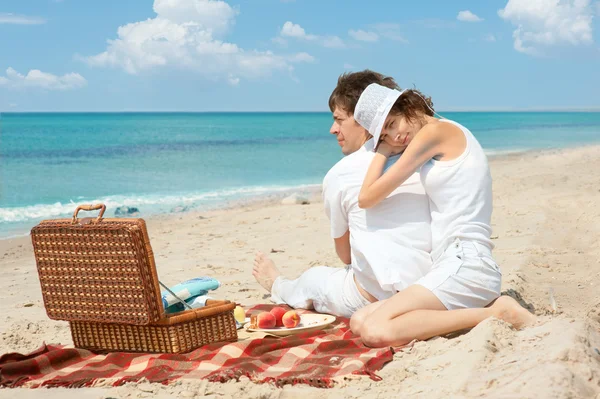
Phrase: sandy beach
(546, 225)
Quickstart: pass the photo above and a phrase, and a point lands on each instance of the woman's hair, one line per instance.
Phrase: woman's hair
(413, 105)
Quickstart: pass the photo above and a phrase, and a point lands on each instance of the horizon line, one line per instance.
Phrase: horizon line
(458, 110)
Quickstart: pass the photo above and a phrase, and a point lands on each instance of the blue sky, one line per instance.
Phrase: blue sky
(276, 55)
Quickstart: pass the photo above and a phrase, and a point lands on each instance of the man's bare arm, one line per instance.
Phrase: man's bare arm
(342, 247)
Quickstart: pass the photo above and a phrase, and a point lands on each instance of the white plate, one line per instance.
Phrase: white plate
(308, 322)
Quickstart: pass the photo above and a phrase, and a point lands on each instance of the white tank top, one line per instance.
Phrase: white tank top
(460, 196)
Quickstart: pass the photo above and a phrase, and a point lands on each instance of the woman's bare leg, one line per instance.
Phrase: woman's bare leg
(416, 313)
(360, 316)
(398, 304)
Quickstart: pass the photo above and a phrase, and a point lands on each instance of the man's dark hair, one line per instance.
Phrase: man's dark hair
(351, 85)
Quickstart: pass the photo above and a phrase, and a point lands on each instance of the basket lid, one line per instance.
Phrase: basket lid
(97, 271)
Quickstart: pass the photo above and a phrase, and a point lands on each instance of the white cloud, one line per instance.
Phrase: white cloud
(490, 38)
(389, 31)
(16, 19)
(364, 36)
(232, 80)
(302, 57)
(188, 34)
(468, 16)
(215, 16)
(542, 24)
(279, 41)
(348, 66)
(292, 30)
(42, 80)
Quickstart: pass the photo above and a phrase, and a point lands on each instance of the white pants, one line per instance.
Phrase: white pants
(464, 276)
(325, 289)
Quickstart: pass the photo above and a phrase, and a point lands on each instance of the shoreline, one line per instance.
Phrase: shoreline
(265, 199)
(313, 191)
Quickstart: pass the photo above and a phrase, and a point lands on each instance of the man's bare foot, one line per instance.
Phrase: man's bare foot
(507, 309)
(264, 271)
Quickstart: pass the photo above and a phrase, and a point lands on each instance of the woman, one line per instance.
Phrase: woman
(454, 171)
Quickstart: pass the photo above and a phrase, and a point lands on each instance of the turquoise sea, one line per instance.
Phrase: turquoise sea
(169, 162)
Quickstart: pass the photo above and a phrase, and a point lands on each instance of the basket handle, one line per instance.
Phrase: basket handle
(95, 207)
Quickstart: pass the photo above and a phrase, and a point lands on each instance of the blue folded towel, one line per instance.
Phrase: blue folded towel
(189, 289)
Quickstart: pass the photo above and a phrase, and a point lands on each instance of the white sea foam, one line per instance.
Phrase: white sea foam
(495, 153)
(146, 203)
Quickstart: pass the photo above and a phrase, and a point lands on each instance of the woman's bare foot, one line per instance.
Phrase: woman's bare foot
(507, 309)
(264, 271)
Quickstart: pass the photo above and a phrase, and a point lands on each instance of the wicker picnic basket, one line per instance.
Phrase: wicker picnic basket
(99, 274)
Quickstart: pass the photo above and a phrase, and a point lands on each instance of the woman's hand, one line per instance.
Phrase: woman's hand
(378, 185)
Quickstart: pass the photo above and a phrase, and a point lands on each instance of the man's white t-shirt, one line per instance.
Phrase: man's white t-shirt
(391, 242)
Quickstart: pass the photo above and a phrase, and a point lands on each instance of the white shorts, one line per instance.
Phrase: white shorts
(464, 276)
(329, 290)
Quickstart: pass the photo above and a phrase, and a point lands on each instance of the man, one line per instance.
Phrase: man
(385, 248)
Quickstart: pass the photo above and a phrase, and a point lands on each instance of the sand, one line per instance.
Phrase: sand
(547, 232)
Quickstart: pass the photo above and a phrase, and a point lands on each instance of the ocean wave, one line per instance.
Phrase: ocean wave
(494, 153)
(148, 204)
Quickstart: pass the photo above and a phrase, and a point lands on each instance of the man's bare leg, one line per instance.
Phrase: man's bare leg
(298, 293)
(264, 271)
(322, 288)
